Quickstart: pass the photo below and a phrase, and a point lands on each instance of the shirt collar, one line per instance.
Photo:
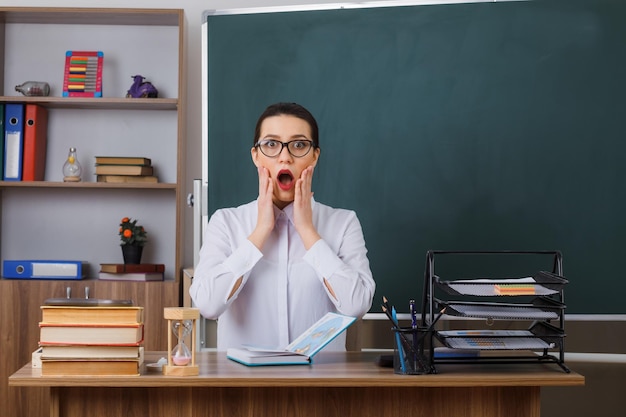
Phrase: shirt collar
(288, 210)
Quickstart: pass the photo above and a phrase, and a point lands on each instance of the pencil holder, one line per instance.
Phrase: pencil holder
(412, 355)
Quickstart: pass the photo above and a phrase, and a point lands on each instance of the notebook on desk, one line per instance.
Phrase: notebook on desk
(298, 352)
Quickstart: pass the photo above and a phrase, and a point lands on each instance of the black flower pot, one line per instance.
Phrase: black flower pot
(132, 254)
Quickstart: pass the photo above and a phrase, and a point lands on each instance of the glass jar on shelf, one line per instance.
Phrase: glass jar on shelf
(33, 88)
(71, 168)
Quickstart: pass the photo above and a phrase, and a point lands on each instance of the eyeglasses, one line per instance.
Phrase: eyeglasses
(297, 148)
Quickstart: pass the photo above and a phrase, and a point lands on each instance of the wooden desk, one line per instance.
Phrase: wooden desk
(337, 384)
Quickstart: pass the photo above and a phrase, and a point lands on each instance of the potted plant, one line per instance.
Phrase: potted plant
(133, 238)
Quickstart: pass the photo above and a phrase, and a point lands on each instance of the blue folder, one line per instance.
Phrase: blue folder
(13, 141)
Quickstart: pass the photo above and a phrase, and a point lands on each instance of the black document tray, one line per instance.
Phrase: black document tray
(545, 283)
(539, 309)
(539, 336)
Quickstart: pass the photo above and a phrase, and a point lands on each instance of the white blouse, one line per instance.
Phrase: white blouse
(282, 293)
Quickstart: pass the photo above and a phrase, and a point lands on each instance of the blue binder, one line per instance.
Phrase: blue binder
(2, 138)
(42, 269)
(13, 141)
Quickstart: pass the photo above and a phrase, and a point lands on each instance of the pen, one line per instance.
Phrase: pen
(432, 325)
(417, 340)
(413, 313)
(414, 326)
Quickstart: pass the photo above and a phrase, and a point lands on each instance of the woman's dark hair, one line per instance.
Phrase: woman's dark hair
(290, 109)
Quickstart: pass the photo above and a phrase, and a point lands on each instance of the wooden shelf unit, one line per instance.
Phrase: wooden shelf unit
(113, 108)
(122, 126)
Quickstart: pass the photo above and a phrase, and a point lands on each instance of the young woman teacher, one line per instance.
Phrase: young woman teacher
(271, 268)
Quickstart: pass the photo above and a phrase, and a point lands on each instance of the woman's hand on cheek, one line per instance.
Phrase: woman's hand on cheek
(303, 211)
(265, 218)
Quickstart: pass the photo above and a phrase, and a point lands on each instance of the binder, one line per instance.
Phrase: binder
(52, 269)
(1, 138)
(35, 142)
(13, 141)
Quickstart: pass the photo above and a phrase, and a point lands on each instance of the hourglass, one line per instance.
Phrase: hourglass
(182, 322)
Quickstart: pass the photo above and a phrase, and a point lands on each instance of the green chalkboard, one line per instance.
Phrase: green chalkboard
(481, 126)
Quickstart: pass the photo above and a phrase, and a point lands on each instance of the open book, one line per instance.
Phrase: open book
(301, 350)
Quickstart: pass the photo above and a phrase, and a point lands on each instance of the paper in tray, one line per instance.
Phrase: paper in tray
(485, 333)
(541, 284)
(498, 343)
(501, 312)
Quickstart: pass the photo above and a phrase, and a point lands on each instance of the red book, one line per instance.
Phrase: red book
(35, 139)
(131, 268)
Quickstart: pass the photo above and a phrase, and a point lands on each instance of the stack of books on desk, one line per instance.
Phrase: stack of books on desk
(124, 169)
(132, 272)
(90, 340)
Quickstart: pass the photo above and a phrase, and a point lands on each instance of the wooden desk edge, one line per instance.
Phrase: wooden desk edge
(358, 370)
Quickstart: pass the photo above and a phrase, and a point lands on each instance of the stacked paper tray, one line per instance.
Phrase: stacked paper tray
(502, 339)
(503, 311)
(541, 284)
(497, 343)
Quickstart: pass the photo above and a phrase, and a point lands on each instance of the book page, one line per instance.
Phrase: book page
(320, 334)
(267, 349)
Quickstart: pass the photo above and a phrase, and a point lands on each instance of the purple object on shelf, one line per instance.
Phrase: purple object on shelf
(141, 88)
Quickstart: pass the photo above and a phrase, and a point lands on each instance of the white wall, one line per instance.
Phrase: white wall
(193, 13)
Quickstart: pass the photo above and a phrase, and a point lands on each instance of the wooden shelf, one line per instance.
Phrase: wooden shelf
(88, 185)
(103, 103)
(90, 16)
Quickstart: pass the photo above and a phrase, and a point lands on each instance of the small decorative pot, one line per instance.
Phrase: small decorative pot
(132, 254)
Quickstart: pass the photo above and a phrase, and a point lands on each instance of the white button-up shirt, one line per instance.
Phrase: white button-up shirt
(282, 292)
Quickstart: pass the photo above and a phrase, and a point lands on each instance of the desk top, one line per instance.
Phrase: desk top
(330, 369)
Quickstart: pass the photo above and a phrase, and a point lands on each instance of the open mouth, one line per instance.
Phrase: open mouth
(285, 179)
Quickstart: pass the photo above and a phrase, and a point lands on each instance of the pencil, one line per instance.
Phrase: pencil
(406, 343)
(432, 325)
(399, 342)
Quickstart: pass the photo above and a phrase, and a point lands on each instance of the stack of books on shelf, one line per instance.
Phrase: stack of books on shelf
(124, 169)
(132, 272)
(91, 340)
